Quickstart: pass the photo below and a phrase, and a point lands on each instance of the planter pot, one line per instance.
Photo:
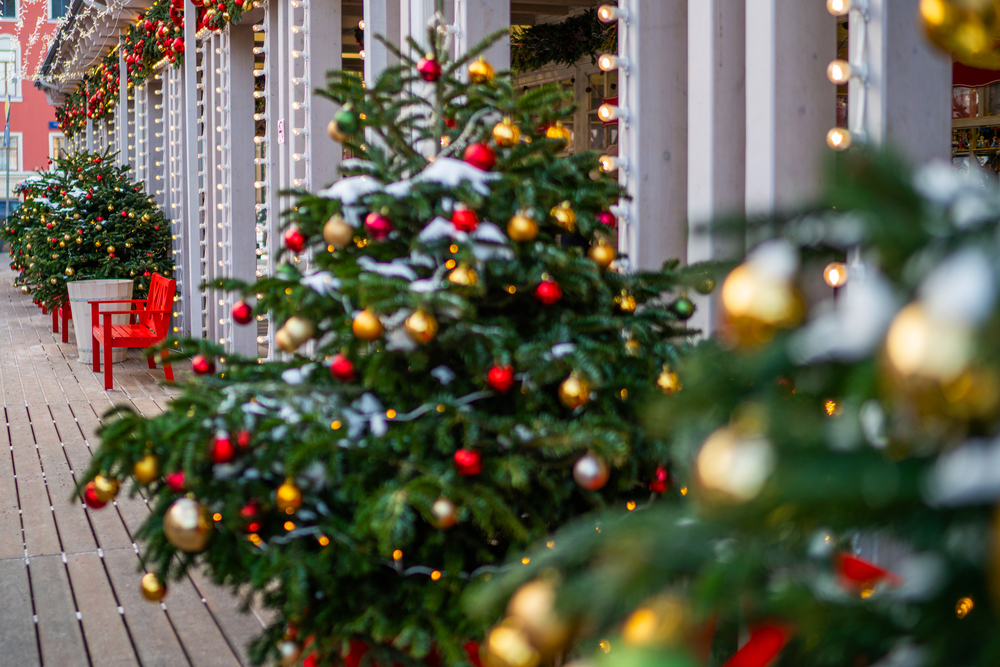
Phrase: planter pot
(82, 291)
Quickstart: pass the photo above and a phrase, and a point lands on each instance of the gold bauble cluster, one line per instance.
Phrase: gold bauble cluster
(296, 331)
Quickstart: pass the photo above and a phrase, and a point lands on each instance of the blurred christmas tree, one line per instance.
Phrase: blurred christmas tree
(464, 358)
(841, 476)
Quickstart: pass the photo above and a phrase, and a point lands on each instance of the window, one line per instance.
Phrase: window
(10, 83)
(57, 145)
(15, 154)
(57, 8)
(8, 9)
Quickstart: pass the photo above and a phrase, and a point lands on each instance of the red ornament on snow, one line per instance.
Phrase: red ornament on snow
(295, 240)
(762, 648)
(548, 292)
(429, 68)
(222, 450)
(175, 481)
(90, 497)
(242, 312)
(481, 156)
(202, 365)
(378, 226)
(660, 480)
(859, 573)
(242, 439)
(468, 462)
(501, 378)
(465, 219)
(341, 368)
(606, 218)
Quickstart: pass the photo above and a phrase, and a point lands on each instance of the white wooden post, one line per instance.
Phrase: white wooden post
(790, 103)
(716, 134)
(381, 18)
(121, 110)
(476, 20)
(190, 214)
(653, 136)
(323, 45)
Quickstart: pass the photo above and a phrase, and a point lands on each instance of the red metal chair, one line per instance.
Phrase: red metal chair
(62, 312)
(153, 316)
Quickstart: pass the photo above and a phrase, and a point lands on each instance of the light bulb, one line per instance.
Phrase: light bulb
(838, 7)
(838, 139)
(835, 274)
(609, 62)
(609, 13)
(361, 24)
(839, 72)
(609, 112)
(361, 53)
(611, 163)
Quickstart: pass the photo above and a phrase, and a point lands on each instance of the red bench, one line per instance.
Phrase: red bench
(62, 312)
(153, 321)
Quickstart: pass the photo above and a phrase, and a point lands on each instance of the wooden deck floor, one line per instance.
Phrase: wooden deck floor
(69, 584)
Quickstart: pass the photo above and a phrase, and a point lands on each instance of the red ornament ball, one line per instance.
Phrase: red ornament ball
(202, 365)
(501, 378)
(242, 439)
(468, 462)
(222, 450)
(465, 219)
(429, 69)
(175, 481)
(606, 218)
(90, 497)
(481, 156)
(378, 226)
(660, 481)
(242, 312)
(295, 240)
(548, 292)
(341, 368)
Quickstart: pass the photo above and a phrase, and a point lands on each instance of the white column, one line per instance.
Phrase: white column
(716, 135)
(790, 103)
(653, 138)
(324, 46)
(190, 215)
(121, 115)
(476, 20)
(381, 18)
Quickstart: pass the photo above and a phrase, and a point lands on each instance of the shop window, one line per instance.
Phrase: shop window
(58, 8)
(8, 9)
(9, 84)
(13, 153)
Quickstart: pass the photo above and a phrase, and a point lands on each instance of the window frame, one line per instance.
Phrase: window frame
(52, 147)
(17, 13)
(56, 19)
(16, 95)
(20, 152)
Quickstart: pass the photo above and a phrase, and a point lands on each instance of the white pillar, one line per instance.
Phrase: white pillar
(653, 139)
(381, 18)
(121, 117)
(790, 103)
(190, 214)
(324, 46)
(476, 20)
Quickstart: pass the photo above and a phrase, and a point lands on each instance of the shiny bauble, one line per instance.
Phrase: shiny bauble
(481, 71)
(548, 292)
(187, 525)
(288, 653)
(222, 450)
(500, 378)
(295, 240)
(337, 233)
(345, 123)
(565, 216)
(288, 497)
(176, 481)
(522, 228)
(505, 133)
(591, 472)
(602, 254)
(69, 271)
(105, 488)
(464, 219)
(111, 249)
(481, 156)
(757, 304)
(153, 589)
(967, 30)
(299, 329)
(421, 326)
(90, 497)
(444, 514)
(625, 302)
(508, 646)
(242, 439)
(334, 132)
(367, 325)
(574, 392)
(606, 218)
(341, 368)
(242, 312)
(533, 608)
(146, 469)
(733, 465)
(463, 276)
(468, 462)
(661, 480)
(377, 226)
(53, 281)
(429, 68)
(202, 365)
(921, 345)
(668, 382)
(683, 308)
(284, 341)
(25, 290)
(559, 132)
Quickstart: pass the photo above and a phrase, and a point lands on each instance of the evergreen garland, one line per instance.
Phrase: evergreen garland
(561, 43)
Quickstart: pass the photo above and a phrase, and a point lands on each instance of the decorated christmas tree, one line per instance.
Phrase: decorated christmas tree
(463, 358)
(839, 471)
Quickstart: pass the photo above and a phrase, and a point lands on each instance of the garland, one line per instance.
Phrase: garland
(561, 43)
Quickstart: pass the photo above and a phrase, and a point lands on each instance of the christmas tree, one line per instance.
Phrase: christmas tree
(464, 358)
(86, 220)
(839, 476)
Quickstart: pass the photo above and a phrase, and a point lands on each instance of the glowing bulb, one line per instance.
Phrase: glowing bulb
(839, 72)
(609, 112)
(838, 139)
(608, 62)
(361, 24)
(610, 163)
(609, 13)
(838, 7)
(835, 274)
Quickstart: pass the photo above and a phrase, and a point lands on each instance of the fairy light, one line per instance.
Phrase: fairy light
(841, 72)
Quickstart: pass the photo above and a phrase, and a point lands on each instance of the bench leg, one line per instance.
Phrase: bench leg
(96, 349)
(167, 370)
(55, 320)
(65, 324)
(108, 383)
(152, 364)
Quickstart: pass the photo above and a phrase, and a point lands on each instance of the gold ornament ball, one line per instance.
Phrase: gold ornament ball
(53, 281)
(334, 131)
(62, 244)
(602, 254)
(507, 646)
(111, 248)
(444, 513)
(79, 239)
(625, 302)
(533, 608)
(505, 133)
(105, 488)
(288, 497)
(300, 329)
(146, 469)
(98, 227)
(25, 290)
(69, 271)
(591, 472)
(337, 233)
(367, 325)
(481, 71)
(153, 589)
(559, 131)
(289, 652)
(574, 392)
(463, 276)
(668, 382)
(65, 237)
(187, 525)
(565, 216)
(522, 228)
(660, 621)
(283, 340)
(422, 326)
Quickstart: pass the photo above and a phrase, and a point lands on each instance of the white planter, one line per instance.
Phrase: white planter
(82, 291)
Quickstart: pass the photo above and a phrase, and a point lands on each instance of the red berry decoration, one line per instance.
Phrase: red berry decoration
(90, 497)
(222, 450)
(660, 480)
(468, 462)
(606, 218)
(465, 219)
(429, 69)
(481, 156)
(295, 240)
(242, 439)
(242, 312)
(202, 365)
(548, 292)
(378, 226)
(501, 378)
(341, 368)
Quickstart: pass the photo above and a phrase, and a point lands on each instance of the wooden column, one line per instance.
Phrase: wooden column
(476, 20)
(324, 46)
(189, 211)
(121, 111)
(790, 103)
(381, 18)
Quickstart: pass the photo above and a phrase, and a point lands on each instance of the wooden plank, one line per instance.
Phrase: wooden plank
(39, 524)
(240, 628)
(58, 628)
(107, 636)
(207, 647)
(11, 538)
(17, 630)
